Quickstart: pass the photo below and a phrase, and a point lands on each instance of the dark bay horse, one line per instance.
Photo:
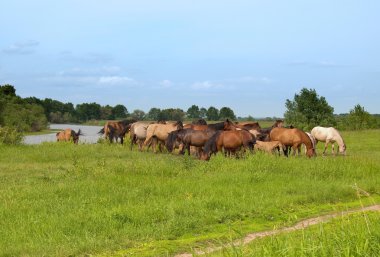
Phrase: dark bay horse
(69, 134)
(215, 126)
(230, 141)
(189, 137)
(292, 138)
(116, 129)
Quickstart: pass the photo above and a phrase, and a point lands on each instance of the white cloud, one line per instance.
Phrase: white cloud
(166, 83)
(27, 47)
(115, 80)
(205, 85)
(105, 70)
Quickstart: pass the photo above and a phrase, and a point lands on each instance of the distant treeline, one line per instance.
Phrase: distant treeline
(305, 111)
(34, 114)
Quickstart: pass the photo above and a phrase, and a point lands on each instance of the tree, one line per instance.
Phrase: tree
(88, 111)
(226, 113)
(172, 114)
(7, 90)
(138, 114)
(359, 118)
(193, 112)
(106, 112)
(212, 113)
(203, 113)
(308, 110)
(154, 114)
(120, 111)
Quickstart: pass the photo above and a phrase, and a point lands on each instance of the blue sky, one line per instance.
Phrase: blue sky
(248, 55)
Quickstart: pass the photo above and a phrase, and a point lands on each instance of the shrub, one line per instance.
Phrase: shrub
(10, 136)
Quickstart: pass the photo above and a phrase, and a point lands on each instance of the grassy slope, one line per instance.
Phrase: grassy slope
(353, 235)
(61, 199)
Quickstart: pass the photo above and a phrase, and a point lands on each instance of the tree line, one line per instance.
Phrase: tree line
(34, 114)
(305, 111)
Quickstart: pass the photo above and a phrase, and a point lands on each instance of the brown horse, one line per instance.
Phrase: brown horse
(116, 129)
(292, 138)
(68, 135)
(230, 141)
(160, 132)
(187, 138)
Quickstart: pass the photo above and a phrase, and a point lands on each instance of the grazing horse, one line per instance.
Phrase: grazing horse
(329, 135)
(230, 140)
(292, 138)
(268, 147)
(116, 129)
(68, 134)
(189, 137)
(160, 132)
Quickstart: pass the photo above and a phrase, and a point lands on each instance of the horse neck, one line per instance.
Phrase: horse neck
(338, 138)
(306, 140)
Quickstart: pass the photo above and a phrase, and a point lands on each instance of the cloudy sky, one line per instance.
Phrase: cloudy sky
(246, 54)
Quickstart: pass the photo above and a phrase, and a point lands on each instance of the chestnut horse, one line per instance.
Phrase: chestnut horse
(230, 140)
(68, 134)
(329, 135)
(292, 138)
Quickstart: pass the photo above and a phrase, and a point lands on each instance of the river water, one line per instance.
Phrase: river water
(90, 136)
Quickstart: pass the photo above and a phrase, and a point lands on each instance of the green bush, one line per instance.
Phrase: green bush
(10, 136)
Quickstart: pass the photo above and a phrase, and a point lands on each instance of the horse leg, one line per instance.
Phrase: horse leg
(326, 144)
(121, 140)
(188, 149)
(332, 149)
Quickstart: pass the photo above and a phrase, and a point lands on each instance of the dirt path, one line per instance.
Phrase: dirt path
(300, 225)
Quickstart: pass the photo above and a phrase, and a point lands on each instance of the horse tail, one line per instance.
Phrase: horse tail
(111, 133)
(170, 141)
(79, 133)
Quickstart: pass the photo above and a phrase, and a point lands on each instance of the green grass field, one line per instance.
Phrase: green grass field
(59, 199)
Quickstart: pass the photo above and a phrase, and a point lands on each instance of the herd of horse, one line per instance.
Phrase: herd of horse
(203, 140)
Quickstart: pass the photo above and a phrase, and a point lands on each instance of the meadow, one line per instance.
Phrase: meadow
(60, 199)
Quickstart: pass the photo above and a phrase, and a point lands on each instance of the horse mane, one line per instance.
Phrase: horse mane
(210, 146)
(179, 124)
(199, 122)
(216, 126)
(127, 122)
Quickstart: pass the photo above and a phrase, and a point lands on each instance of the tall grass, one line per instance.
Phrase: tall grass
(65, 199)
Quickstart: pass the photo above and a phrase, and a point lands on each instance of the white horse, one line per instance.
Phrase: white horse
(329, 135)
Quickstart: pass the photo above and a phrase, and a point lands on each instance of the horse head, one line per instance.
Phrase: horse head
(342, 149)
(75, 136)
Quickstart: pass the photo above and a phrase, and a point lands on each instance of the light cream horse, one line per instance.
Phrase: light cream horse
(160, 132)
(268, 147)
(329, 135)
(138, 133)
